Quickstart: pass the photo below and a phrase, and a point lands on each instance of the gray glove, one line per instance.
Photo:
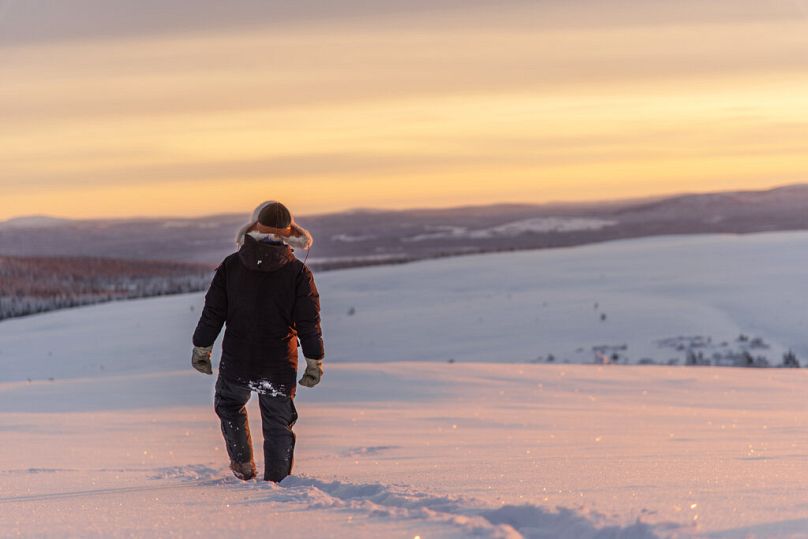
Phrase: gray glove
(200, 359)
(314, 370)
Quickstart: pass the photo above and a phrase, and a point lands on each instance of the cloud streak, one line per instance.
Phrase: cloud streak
(425, 106)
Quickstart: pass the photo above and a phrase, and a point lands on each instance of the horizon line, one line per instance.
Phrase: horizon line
(552, 203)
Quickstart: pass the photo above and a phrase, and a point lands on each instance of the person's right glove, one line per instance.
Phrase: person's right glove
(200, 359)
(314, 371)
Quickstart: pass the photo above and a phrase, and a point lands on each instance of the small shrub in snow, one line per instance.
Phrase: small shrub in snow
(790, 360)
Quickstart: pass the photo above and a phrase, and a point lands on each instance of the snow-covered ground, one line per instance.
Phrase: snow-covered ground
(534, 225)
(565, 302)
(106, 431)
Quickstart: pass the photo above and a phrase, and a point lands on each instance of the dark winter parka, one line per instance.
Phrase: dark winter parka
(268, 300)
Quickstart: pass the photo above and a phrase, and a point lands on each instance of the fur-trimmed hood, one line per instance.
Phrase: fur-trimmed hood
(300, 238)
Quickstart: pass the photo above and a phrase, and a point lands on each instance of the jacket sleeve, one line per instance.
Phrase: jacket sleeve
(215, 312)
(306, 315)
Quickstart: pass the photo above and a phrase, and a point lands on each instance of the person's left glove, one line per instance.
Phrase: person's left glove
(200, 359)
(314, 371)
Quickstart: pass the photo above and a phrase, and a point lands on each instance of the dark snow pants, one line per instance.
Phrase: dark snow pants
(278, 415)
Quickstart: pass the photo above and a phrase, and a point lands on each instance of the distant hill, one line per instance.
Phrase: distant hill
(32, 221)
(364, 237)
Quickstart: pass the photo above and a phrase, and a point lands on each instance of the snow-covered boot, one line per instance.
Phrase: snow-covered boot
(243, 470)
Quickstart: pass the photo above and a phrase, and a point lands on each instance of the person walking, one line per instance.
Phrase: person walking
(270, 305)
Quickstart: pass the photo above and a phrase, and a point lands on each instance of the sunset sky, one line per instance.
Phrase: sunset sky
(165, 107)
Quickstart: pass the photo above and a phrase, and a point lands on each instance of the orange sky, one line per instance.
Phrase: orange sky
(441, 105)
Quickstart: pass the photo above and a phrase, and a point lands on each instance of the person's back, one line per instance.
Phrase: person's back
(268, 300)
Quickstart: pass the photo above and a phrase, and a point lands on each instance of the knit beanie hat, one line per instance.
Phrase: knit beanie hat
(273, 220)
(275, 215)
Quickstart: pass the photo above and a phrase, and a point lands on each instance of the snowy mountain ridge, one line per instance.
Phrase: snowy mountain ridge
(354, 237)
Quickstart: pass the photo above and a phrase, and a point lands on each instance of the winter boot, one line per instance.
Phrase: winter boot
(243, 470)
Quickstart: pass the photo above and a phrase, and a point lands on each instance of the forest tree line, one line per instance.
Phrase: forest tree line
(30, 285)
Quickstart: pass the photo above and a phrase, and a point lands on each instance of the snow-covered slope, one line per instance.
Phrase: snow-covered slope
(106, 431)
(567, 302)
(507, 307)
